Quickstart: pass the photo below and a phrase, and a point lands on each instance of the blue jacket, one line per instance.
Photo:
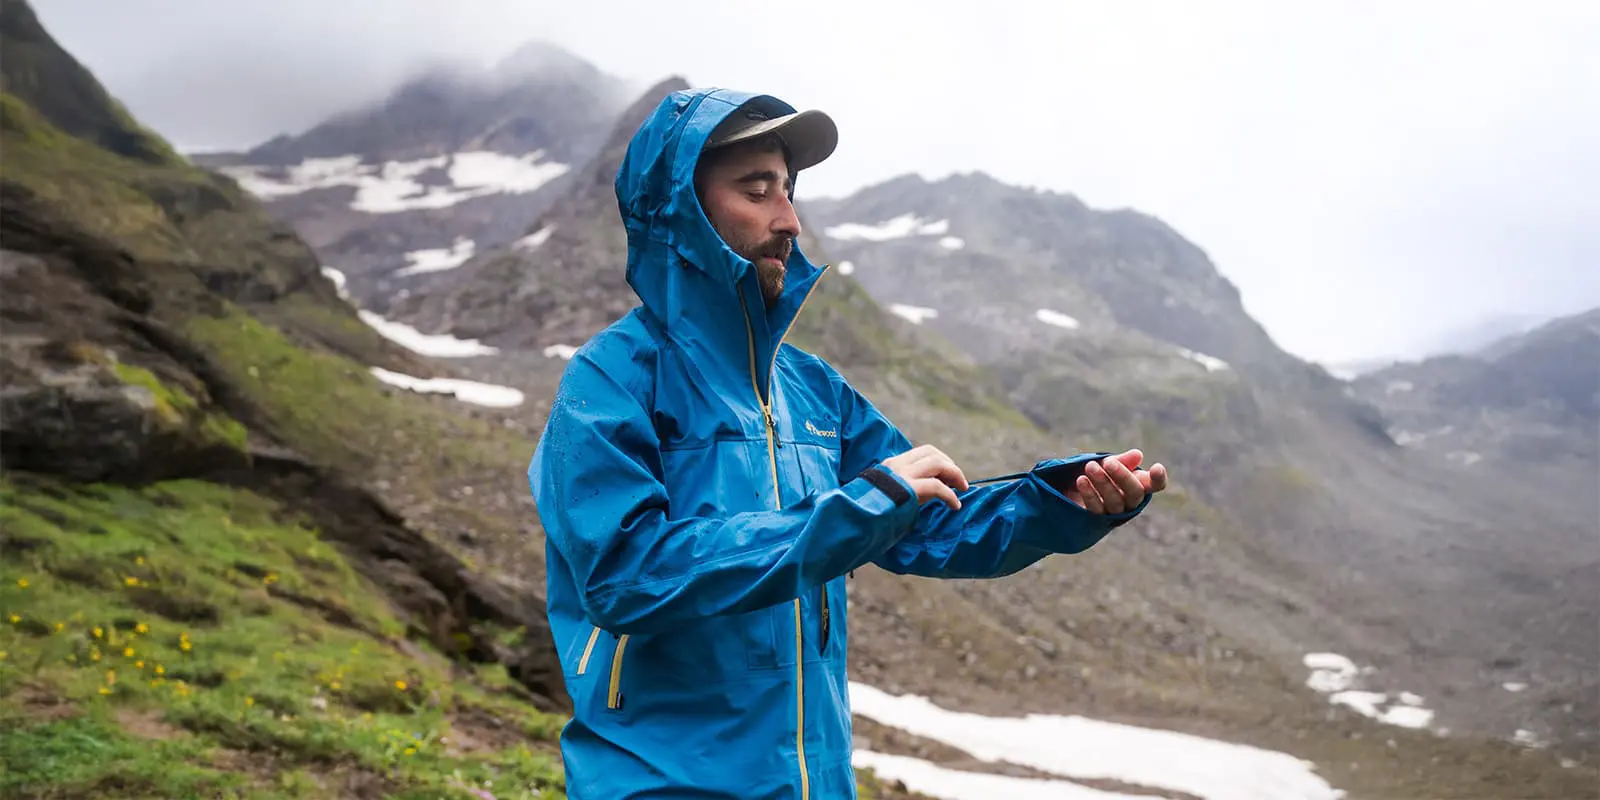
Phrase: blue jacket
(705, 488)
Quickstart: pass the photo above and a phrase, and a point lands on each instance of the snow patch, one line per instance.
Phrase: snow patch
(489, 172)
(1080, 748)
(950, 784)
(564, 351)
(1338, 677)
(439, 345)
(1528, 738)
(1514, 687)
(438, 259)
(914, 313)
(952, 243)
(392, 186)
(897, 228)
(483, 394)
(1403, 437)
(338, 280)
(1211, 363)
(1056, 318)
(534, 239)
(845, 268)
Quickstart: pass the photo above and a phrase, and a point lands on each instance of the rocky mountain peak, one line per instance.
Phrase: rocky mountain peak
(1121, 267)
(563, 279)
(542, 60)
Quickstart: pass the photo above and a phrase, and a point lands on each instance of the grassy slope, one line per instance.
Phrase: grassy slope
(214, 623)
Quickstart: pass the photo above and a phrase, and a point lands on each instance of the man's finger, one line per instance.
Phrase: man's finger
(1158, 477)
(1132, 490)
(942, 491)
(943, 468)
(1091, 498)
(1130, 459)
(1107, 489)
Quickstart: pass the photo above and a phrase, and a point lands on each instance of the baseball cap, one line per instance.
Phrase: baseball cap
(810, 135)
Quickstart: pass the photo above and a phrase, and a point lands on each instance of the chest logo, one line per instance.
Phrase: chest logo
(815, 431)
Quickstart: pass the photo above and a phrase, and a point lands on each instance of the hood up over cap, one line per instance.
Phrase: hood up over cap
(691, 283)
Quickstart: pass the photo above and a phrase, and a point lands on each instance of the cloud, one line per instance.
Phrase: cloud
(1369, 174)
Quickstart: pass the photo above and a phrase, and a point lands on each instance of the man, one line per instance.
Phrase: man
(706, 489)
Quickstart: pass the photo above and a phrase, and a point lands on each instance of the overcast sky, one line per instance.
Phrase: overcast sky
(1372, 175)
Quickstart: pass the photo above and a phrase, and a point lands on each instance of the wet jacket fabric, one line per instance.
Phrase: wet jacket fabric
(706, 488)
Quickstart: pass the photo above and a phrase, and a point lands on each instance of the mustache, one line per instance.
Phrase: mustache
(778, 248)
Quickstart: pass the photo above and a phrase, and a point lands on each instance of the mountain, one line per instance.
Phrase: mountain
(1106, 328)
(1530, 401)
(1461, 340)
(455, 159)
(1481, 333)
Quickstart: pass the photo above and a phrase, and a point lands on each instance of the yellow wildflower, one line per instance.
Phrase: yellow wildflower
(139, 560)
(160, 670)
(131, 581)
(2, 655)
(15, 619)
(105, 690)
(98, 632)
(127, 652)
(22, 583)
(139, 664)
(249, 701)
(111, 676)
(401, 685)
(142, 628)
(60, 626)
(411, 751)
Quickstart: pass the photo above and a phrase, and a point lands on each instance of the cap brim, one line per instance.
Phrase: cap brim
(811, 136)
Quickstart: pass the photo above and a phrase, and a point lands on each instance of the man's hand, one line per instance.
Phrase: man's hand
(931, 474)
(1116, 484)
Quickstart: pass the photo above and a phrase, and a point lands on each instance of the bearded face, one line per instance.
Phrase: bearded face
(769, 254)
(744, 190)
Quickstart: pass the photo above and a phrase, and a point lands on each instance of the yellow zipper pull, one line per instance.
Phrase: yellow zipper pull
(772, 426)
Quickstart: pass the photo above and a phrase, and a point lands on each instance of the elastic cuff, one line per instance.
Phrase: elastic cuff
(886, 483)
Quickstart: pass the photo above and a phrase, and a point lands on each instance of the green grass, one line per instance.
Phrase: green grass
(97, 186)
(176, 409)
(233, 632)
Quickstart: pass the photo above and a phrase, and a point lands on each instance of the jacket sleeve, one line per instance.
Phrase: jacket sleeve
(1001, 528)
(595, 477)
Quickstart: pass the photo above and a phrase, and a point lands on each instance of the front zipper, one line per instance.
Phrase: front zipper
(777, 499)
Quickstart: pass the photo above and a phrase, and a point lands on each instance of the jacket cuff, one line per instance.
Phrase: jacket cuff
(888, 483)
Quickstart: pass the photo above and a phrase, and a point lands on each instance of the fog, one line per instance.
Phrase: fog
(1371, 175)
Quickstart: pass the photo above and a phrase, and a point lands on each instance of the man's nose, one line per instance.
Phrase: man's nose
(788, 221)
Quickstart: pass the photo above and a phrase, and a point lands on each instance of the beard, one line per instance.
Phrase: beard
(771, 277)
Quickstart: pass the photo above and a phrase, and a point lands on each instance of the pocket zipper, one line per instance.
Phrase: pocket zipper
(588, 649)
(614, 696)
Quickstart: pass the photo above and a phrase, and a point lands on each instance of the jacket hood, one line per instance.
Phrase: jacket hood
(689, 280)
